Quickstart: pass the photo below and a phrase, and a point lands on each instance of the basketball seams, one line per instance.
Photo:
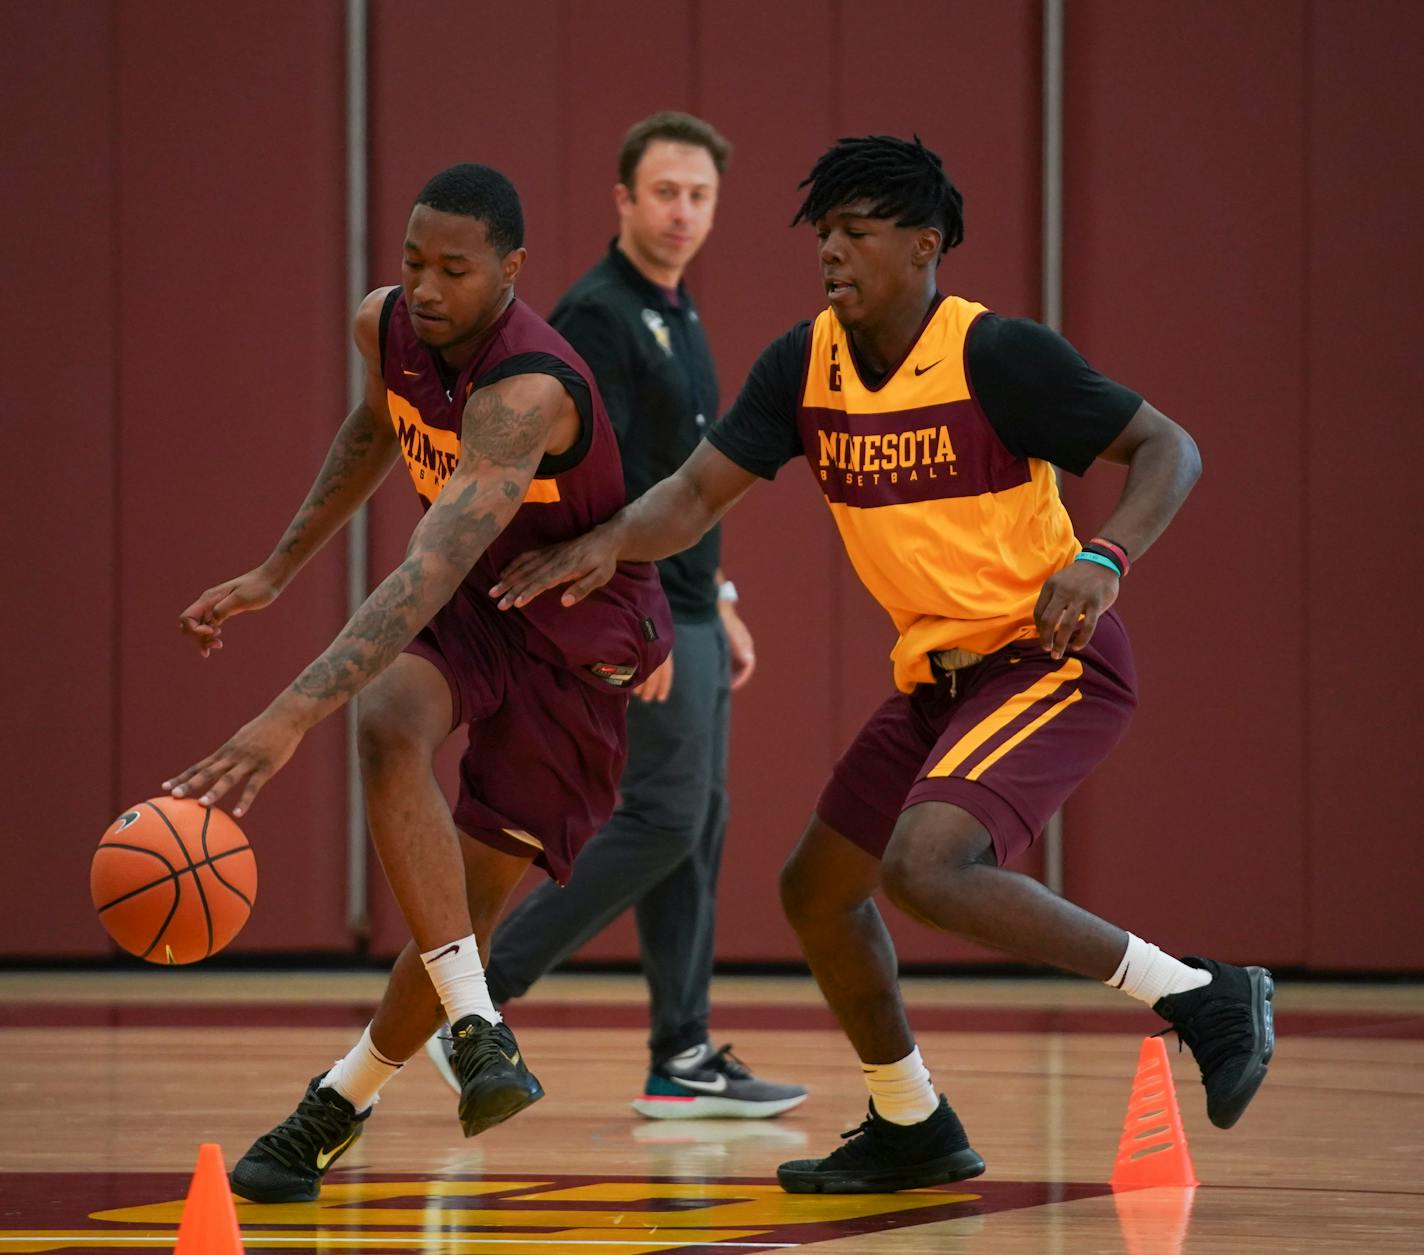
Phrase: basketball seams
(208, 861)
(173, 872)
(197, 880)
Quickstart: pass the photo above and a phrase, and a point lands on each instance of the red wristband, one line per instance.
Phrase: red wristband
(1116, 550)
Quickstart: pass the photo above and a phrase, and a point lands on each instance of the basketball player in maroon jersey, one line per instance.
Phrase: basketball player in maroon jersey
(506, 439)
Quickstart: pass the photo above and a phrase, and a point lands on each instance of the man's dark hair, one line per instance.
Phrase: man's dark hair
(901, 178)
(679, 128)
(479, 192)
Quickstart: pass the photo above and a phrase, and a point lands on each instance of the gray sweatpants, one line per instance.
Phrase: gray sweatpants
(660, 854)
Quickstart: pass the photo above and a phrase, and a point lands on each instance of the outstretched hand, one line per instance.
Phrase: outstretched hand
(588, 561)
(203, 619)
(1070, 605)
(254, 753)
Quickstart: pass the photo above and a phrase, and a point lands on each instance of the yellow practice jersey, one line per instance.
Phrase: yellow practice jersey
(952, 534)
(938, 476)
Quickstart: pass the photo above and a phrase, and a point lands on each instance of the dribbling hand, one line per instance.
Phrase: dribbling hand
(254, 753)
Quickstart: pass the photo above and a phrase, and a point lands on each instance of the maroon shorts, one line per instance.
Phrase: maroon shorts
(547, 747)
(1007, 740)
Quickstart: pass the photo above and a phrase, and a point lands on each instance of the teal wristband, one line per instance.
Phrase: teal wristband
(1112, 566)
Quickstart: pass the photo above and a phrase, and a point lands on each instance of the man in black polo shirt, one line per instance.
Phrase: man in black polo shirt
(632, 320)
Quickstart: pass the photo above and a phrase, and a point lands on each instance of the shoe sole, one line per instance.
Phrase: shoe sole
(1263, 1030)
(960, 1166)
(498, 1107)
(253, 1195)
(657, 1107)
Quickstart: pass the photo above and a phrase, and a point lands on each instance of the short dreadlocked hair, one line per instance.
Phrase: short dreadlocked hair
(902, 178)
(478, 192)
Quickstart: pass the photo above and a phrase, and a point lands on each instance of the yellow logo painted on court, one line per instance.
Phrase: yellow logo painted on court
(543, 1214)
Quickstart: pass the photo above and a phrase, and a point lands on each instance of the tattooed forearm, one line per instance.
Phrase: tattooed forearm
(499, 452)
(353, 465)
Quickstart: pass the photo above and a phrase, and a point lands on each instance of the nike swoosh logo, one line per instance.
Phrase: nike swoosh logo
(710, 1087)
(324, 1157)
(455, 949)
(920, 370)
(512, 1060)
(414, 374)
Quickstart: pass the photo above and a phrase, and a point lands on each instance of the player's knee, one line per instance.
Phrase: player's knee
(796, 897)
(384, 734)
(902, 876)
(927, 866)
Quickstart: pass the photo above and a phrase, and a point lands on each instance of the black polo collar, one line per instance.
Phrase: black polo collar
(636, 279)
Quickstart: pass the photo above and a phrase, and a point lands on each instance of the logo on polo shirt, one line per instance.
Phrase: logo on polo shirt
(654, 323)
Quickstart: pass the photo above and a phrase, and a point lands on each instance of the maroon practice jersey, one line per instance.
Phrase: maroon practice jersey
(620, 632)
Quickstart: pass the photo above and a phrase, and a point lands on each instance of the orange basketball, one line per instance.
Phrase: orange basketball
(173, 881)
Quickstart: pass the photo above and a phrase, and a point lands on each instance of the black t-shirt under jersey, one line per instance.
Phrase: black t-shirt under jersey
(1042, 399)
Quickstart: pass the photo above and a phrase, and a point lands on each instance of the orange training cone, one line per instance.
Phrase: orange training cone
(1153, 1147)
(1154, 1221)
(209, 1225)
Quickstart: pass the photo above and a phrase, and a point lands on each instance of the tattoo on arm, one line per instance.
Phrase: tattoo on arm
(500, 449)
(347, 454)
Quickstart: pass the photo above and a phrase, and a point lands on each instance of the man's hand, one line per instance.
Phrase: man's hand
(589, 560)
(658, 686)
(255, 753)
(739, 644)
(1070, 605)
(203, 619)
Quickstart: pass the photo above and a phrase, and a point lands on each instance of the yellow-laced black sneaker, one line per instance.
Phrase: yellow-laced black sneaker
(494, 1081)
(287, 1164)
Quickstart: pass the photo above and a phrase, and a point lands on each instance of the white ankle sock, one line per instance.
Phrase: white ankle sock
(903, 1092)
(358, 1076)
(459, 978)
(1147, 974)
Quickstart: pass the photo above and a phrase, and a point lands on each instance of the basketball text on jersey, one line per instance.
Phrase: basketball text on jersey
(432, 454)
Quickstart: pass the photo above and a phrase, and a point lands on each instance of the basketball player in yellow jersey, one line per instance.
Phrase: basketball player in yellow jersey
(932, 427)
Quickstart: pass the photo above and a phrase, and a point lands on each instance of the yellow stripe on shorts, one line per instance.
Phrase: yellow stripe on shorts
(1024, 733)
(1000, 719)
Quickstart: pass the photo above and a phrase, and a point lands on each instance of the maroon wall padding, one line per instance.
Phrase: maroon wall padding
(60, 371)
(186, 203)
(1184, 237)
(1364, 445)
(1240, 248)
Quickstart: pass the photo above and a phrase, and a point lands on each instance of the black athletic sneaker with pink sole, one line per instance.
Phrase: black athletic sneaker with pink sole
(1230, 1028)
(881, 1157)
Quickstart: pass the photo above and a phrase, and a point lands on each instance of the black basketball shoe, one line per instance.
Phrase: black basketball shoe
(287, 1164)
(1229, 1027)
(494, 1083)
(881, 1157)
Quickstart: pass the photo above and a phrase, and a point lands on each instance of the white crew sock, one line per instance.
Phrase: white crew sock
(459, 978)
(903, 1092)
(1147, 974)
(358, 1076)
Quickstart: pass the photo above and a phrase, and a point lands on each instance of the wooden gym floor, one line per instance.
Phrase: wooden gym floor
(111, 1081)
